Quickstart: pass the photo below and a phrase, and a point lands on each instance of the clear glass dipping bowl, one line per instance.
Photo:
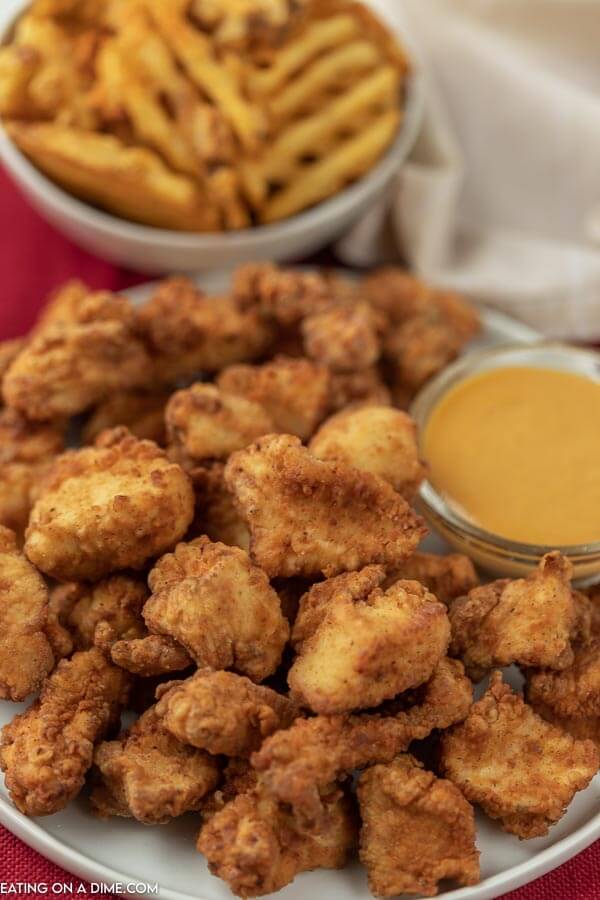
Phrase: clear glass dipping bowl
(492, 552)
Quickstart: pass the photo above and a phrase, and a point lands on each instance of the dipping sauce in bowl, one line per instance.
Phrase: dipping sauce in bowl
(511, 437)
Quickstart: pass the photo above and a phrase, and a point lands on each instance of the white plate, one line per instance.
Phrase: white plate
(121, 851)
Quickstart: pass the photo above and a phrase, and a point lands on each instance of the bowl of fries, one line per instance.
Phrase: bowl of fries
(192, 134)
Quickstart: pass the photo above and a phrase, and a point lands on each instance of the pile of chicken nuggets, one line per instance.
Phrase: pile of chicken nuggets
(231, 556)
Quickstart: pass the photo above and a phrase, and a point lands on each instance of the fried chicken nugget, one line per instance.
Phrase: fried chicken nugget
(284, 296)
(219, 606)
(66, 368)
(26, 655)
(189, 332)
(26, 450)
(308, 516)
(529, 621)
(376, 439)
(573, 692)
(580, 727)
(47, 750)
(294, 392)
(108, 507)
(518, 768)
(417, 830)
(216, 512)
(141, 411)
(448, 577)
(358, 645)
(108, 611)
(363, 387)
(149, 775)
(205, 422)
(295, 764)
(9, 350)
(257, 846)
(223, 713)
(154, 654)
(343, 337)
(62, 599)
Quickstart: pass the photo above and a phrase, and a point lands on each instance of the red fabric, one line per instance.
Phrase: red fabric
(35, 258)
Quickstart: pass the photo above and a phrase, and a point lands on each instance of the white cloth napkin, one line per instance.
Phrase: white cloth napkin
(500, 197)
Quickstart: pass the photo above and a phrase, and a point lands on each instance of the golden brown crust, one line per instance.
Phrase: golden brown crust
(223, 713)
(149, 775)
(447, 577)
(376, 439)
(216, 512)
(285, 296)
(328, 517)
(46, 751)
(417, 830)
(343, 337)
(141, 411)
(108, 611)
(573, 692)
(366, 386)
(26, 655)
(108, 507)
(219, 606)
(154, 654)
(518, 768)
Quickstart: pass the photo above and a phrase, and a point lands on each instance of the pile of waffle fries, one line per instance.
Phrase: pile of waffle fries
(202, 115)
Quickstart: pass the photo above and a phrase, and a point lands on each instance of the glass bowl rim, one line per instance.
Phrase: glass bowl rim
(431, 394)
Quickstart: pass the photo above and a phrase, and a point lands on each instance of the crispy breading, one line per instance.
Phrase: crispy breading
(216, 512)
(294, 392)
(108, 507)
(376, 439)
(358, 645)
(223, 713)
(62, 599)
(417, 830)
(285, 296)
(155, 654)
(26, 655)
(296, 763)
(108, 611)
(343, 337)
(141, 411)
(448, 577)
(308, 516)
(149, 775)
(9, 350)
(573, 692)
(189, 332)
(529, 621)
(366, 386)
(26, 450)
(206, 422)
(65, 305)
(219, 606)
(580, 727)
(66, 368)
(47, 750)
(257, 846)
(517, 767)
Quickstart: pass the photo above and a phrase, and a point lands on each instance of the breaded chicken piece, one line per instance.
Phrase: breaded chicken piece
(448, 577)
(366, 386)
(580, 727)
(141, 411)
(149, 775)
(518, 768)
(376, 439)
(63, 306)
(257, 846)
(223, 713)
(219, 606)
(189, 332)
(417, 830)
(295, 764)
(343, 337)
(206, 423)
(67, 368)
(285, 296)
(108, 611)
(358, 645)
(108, 507)
(26, 655)
(9, 350)
(62, 599)
(216, 512)
(308, 516)
(572, 692)
(529, 621)
(26, 451)
(47, 750)
(155, 654)
(294, 392)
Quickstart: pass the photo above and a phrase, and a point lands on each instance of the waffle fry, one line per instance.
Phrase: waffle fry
(203, 115)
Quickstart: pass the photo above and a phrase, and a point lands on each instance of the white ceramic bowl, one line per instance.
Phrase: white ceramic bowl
(156, 250)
